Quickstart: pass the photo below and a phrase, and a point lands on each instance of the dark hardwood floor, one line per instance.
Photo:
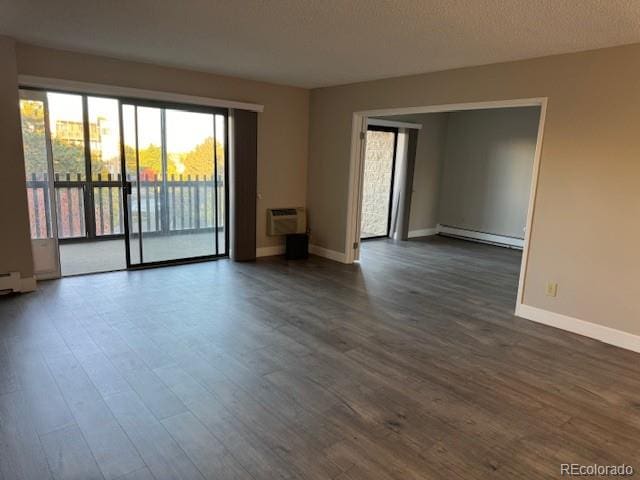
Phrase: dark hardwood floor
(408, 366)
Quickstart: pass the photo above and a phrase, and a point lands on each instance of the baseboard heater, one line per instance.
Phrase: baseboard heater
(481, 237)
(9, 282)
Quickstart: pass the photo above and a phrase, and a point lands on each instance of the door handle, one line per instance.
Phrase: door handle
(126, 186)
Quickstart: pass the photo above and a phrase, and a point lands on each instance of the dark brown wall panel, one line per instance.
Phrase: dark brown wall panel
(245, 184)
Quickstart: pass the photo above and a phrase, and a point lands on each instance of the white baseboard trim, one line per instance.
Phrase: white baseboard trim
(47, 276)
(423, 232)
(270, 251)
(314, 249)
(604, 334)
(326, 253)
(481, 237)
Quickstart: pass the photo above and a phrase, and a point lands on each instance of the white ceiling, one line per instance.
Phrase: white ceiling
(313, 43)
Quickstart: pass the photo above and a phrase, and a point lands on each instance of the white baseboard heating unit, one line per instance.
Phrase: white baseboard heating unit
(10, 282)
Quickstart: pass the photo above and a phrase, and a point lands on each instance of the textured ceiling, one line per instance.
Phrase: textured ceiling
(313, 43)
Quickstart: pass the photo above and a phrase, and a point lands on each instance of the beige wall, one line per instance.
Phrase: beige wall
(15, 246)
(282, 127)
(428, 170)
(486, 178)
(586, 223)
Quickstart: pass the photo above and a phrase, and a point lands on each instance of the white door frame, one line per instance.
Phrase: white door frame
(356, 165)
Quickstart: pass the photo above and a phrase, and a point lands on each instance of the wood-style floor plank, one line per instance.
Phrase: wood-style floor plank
(21, 454)
(69, 456)
(47, 407)
(160, 452)
(204, 450)
(8, 379)
(111, 448)
(142, 474)
(409, 365)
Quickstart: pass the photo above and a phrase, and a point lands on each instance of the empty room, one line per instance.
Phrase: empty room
(319, 240)
(437, 181)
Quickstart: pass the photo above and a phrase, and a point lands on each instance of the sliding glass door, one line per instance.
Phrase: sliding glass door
(174, 159)
(115, 183)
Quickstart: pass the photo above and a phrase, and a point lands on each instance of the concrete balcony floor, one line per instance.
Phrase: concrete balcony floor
(108, 255)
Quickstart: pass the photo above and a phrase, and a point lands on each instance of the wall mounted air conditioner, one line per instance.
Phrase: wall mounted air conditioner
(283, 221)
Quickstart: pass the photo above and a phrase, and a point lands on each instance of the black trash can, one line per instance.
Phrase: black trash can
(297, 246)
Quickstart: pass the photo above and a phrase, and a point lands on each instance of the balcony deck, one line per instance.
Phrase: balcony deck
(108, 255)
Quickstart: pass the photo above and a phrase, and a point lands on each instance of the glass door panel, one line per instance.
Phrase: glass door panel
(104, 138)
(173, 158)
(39, 183)
(36, 166)
(67, 143)
(191, 182)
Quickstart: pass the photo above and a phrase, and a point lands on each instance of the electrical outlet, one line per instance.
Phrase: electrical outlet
(552, 289)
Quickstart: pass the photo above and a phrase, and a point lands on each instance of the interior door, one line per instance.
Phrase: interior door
(174, 161)
(38, 159)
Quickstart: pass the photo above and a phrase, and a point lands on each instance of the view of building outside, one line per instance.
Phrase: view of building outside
(67, 137)
(104, 137)
(378, 171)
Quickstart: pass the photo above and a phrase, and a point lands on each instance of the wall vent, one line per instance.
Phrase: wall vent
(283, 221)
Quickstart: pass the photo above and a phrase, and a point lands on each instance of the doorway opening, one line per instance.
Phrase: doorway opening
(115, 183)
(490, 179)
(377, 182)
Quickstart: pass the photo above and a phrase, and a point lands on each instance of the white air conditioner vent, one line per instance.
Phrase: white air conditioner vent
(283, 221)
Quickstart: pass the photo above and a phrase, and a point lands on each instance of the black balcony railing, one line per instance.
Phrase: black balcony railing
(94, 210)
